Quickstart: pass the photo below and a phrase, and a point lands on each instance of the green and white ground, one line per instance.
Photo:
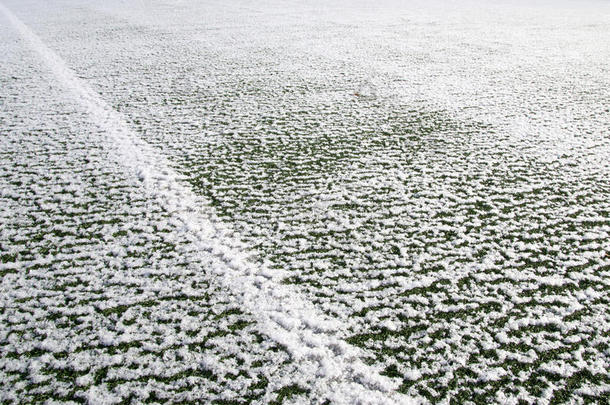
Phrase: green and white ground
(304, 201)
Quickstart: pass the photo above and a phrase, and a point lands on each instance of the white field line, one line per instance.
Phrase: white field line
(332, 367)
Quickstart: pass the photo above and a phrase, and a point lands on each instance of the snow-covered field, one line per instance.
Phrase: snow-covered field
(316, 201)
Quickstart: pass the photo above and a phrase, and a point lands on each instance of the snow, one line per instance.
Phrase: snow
(209, 201)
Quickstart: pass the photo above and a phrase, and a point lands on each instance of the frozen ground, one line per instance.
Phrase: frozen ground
(305, 201)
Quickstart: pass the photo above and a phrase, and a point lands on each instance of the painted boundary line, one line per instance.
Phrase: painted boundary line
(281, 312)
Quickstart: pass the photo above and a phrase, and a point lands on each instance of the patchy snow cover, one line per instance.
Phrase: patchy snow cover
(280, 312)
(432, 176)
